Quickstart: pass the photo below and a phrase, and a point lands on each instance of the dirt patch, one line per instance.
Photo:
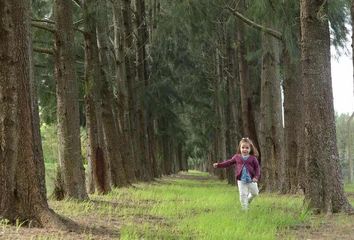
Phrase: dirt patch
(336, 226)
(87, 227)
(186, 175)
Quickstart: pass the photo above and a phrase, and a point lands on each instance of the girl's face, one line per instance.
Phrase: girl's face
(245, 149)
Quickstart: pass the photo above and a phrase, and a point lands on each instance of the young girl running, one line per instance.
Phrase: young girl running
(247, 170)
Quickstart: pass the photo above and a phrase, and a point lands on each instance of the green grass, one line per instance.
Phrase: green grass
(50, 170)
(211, 210)
(186, 206)
(349, 187)
(177, 208)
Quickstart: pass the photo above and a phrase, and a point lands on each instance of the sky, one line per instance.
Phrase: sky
(342, 82)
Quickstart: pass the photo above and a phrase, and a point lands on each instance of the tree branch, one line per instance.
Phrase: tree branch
(249, 22)
(42, 26)
(43, 21)
(78, 2)
(37, 24)
(43, 50)
(78, 22)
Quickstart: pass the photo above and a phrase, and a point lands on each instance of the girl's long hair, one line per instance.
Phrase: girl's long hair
(253, 151)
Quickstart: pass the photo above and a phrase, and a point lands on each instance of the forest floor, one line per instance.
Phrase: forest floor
(318, 227)
(108, 223)
(338, 226)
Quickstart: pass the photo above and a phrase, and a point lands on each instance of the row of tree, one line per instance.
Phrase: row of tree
(271, 81)
(126, 142)
(154, 82)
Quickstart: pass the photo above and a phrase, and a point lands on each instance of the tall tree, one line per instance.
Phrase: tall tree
(233, 101)
(219, 106)
(248, 125)
(349, 147)
(130, 74)
(352, 18)
(144, 127)
(70, 159)
(324, 191)
(110, 128)
(292, 86)
(36, 124)
(293, 123)
(267, 140)
(122, 121)
(271, 134)
(350, 158)
(98, 174)
(21, 194)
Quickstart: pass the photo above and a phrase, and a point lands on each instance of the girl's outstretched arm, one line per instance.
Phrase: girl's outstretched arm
(226, 163)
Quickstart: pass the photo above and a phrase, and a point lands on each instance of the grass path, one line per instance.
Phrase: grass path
(186, 206)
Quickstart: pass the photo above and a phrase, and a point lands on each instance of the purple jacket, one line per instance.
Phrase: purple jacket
(251, 164)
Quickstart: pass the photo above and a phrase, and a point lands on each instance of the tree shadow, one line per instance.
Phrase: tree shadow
(96, 229)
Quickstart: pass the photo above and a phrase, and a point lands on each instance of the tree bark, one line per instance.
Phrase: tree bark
(233, 101)
(36, 124)
(293, 102)
(122, 104)
(21, 194)
(110, 129)
(271, 130)
(70, 159)
(142, 75)
(324, 191)
(154, 11)
(349, 147)
(247, 108)
(220, 128)
(166, 144)
(243, 73)
(99, 171)
(135, 161)
(352, 18)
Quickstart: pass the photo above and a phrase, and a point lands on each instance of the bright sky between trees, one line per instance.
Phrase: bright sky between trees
(342, 82)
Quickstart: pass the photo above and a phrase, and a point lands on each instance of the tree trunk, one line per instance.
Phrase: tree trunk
(165, 145)
(325, 191)
(293, 102)
(150, 26)
(220, 129)
(21, 194)
(352, 18)
(70, 160)
(122, 104)
(142, 75)
(272, 132)
(277, 122)
(349, 147)
(247, 108)
(99, 170)
(233, 101)
(153, 16)
(110, 129)
(36, 126)
(243, 73)
(135, 161)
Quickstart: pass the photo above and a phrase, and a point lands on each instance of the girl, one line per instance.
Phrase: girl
(247, 170)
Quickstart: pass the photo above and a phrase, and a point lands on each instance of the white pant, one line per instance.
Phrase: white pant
(247, 192)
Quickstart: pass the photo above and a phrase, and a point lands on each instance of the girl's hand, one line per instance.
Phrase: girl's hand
(215, 165)
(254, 180)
